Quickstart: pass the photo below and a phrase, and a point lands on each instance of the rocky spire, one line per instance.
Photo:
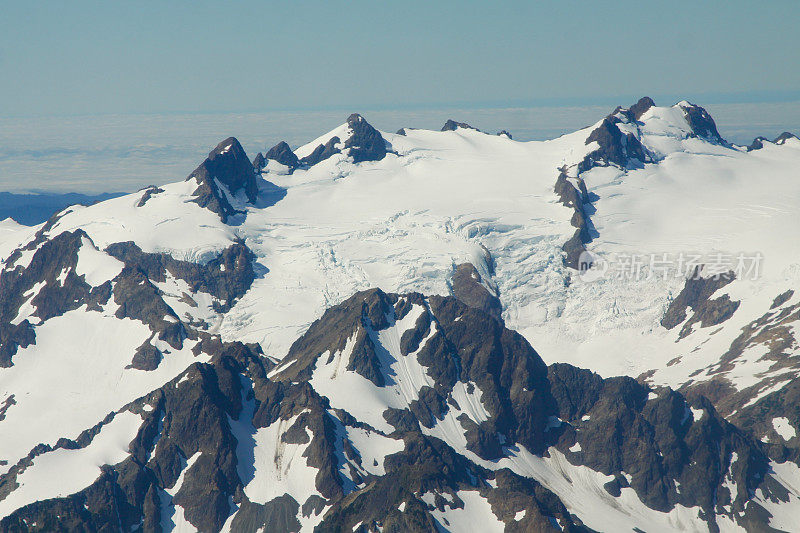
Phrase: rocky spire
(366, 143)
(284, 155)
(640, 108)
(228, 166)
(701, 123)
(259, 162)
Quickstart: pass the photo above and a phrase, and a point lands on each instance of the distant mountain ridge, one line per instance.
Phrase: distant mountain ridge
(35, 208)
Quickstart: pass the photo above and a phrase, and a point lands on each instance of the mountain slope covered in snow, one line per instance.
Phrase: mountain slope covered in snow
(342, 336)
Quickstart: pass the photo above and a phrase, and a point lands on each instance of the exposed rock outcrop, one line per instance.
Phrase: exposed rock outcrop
(696, 293)
(284, 155)
(572, 193)
(467, 288)
(452, 125)
(226, 171)
(701, 123)
(259, 162)
(366, 143)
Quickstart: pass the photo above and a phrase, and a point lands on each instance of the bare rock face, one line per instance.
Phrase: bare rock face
(226, 171)
(284, 155)
(468, 289)
(757, 144)
(640, 108)
(574, 197)
(696, 293)
(366, 143)
(452, 125)
(616, 148)
(259, 162)
(322, 152)
(702, 124)
(783, 137)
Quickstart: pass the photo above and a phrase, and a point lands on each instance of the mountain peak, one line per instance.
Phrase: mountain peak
(227, 165)
(640, 108)
(284, 155)
(700, 122)
(452, 125)
(366, 143)
(783, 137)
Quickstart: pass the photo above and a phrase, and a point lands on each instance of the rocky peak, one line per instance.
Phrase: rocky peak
(259, 162)
(284, 155)
(226, 165)
(640, 108)
(757, 144)
(783, 137)
(452, 125)
(701, 123)
(229, 164)
(366, 143)
(615, 147)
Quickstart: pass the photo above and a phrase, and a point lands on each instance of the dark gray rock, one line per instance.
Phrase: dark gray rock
(226, 166)
(757, 144)
(783, 137)
(366, 143)
(575, 198)
(696, 293)
(452, 125)
(259, 162)
(621, 149)
(284, 155)
(147, 194)
(640, 108)
(321, 152)
(702, 124)
(467, 288)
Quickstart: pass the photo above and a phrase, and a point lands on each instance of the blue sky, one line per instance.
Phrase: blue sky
(80, 57)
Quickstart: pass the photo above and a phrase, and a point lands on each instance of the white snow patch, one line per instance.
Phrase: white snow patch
(63, 472)
(97, 267)
(784, 428)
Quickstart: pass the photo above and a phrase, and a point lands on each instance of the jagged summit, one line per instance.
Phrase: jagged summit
(284, 155)
(783, 137)
(701, 123)
(356, 138)
(452, 125)
(259, 162)
(639, 108)
(365, 143)
(162, 365)
(227, 166)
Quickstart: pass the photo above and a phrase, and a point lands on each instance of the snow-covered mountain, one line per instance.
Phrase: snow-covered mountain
(418, 331)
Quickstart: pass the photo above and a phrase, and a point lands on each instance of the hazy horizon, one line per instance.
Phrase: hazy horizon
(124, 152)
